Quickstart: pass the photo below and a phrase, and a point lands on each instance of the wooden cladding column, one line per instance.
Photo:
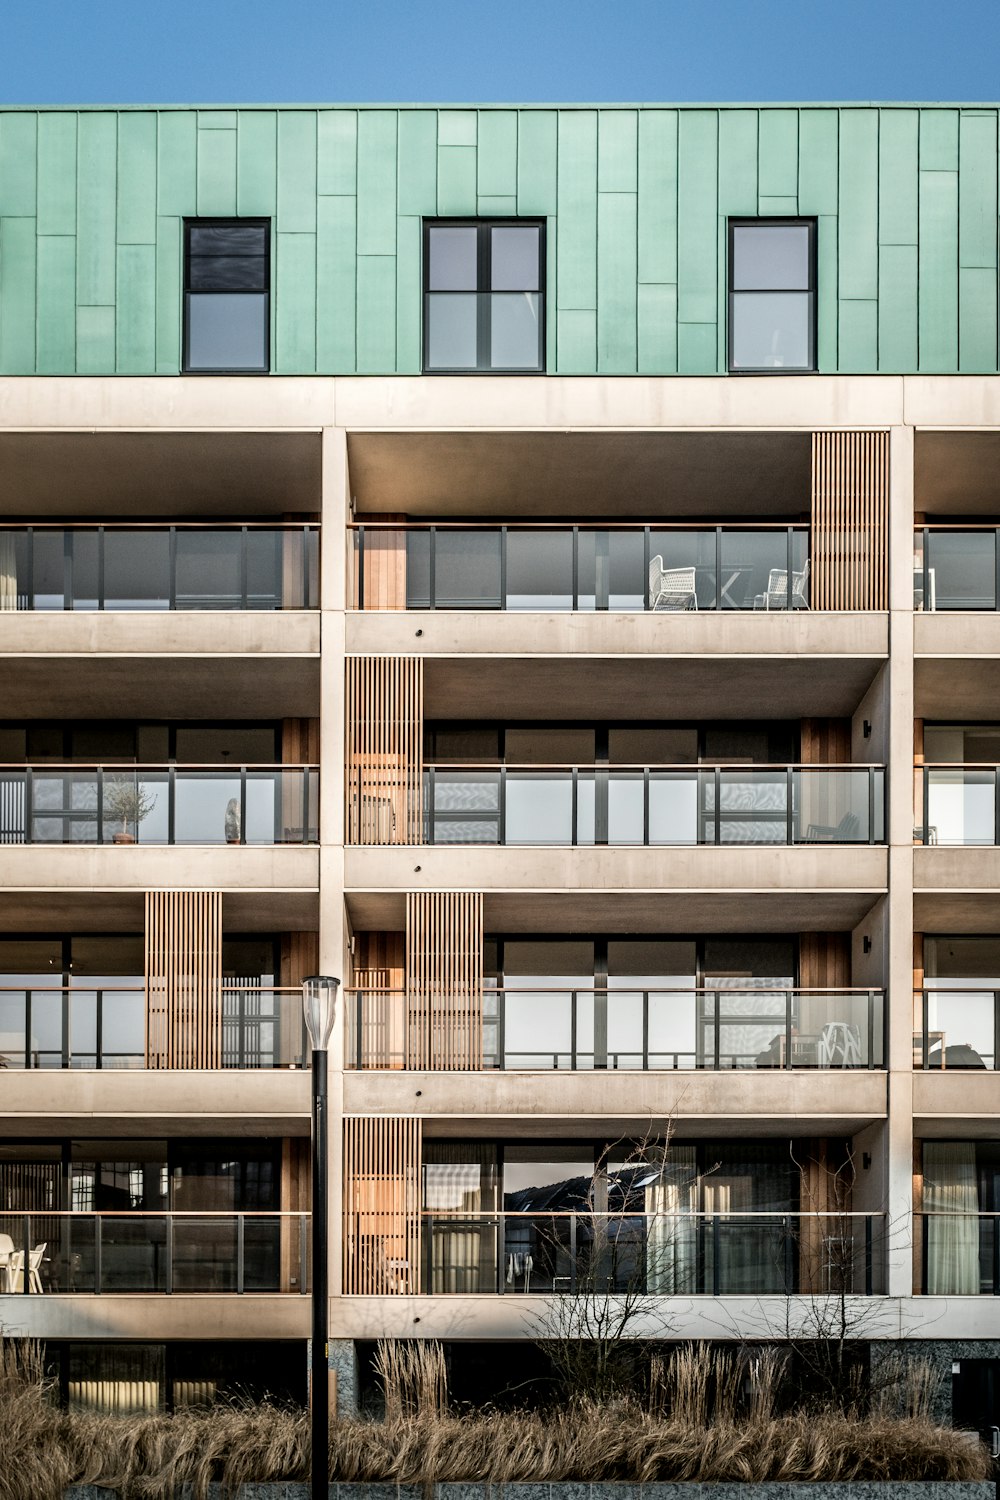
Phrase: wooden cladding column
(381, 1205)
(444, 979)
(385, 753)
(183, 979)
(850, 520)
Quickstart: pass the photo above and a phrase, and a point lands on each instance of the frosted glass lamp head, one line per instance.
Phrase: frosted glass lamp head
(319, 1007)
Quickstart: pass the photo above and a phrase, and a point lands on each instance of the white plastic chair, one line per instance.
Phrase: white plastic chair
(777, 586)
(6, 1251)
(671, 588)
(15, 1269)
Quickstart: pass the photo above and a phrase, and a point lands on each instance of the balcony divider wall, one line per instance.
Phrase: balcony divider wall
(184, 979)
(382, 1199)
(384, 752)
(444, 980)
(850, 520)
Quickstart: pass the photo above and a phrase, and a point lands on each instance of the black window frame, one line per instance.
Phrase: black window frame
(218, 222)
(483, 291)
(782, 221)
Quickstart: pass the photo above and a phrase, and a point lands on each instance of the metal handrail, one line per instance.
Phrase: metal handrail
(296, 782)
(789, 563)
(294, 578)
(163, 1276)
(554, 1263)
(241, 1047)
(864, 824)
(403, 1039)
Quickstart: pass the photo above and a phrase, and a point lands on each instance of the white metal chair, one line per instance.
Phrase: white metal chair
(6, 1251)
(777, 588)
(671, 588)
(839, 1046)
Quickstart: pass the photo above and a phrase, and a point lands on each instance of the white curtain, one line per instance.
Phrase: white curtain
(950, 1189)
(672, 1229)
(8, 572)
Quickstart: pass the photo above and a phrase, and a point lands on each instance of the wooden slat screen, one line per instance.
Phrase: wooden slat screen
(385, 752)
(380, 1010)
(444, 979)
(183, 979)
(384, 566)
(382, 1190)
(850, 520)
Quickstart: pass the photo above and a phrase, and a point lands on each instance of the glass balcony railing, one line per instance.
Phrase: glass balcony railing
(77, 804)
(104, 1026)
(955, 567)
(156, 567)
(626, 1028)
(653, 805)
(957, 1025)
(961, 805)
(153, 1252)
(586, 568)
(960, 1254)
(660, 1253)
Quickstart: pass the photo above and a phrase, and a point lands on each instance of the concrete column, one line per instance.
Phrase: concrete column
(899, 1136)
(334, 957)
(344, 1362)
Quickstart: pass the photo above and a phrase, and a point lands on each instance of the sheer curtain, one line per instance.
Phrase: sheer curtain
(672, 1232)
(8, 572)
(460, 1181)
(950, 1189)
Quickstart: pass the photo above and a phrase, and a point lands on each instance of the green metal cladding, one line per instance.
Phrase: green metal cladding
(636, 200)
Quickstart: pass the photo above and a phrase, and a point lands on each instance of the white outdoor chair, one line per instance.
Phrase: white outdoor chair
(6, 1251)
(777, 586)
(15, 1269)
(839, 1046)
(671, 588)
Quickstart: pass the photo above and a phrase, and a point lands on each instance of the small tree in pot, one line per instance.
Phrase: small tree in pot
(127, 803)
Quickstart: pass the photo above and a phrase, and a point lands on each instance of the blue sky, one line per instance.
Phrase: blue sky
(287, 51)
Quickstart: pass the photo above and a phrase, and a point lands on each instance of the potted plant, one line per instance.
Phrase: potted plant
(127, 803)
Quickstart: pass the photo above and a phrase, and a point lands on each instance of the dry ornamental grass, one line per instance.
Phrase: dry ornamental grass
(690, 1428)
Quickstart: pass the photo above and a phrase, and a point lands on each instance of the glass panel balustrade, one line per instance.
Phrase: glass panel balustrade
(652, 1253)
(960, 805)
(542, 1029)
(957, 1025)
(123, 568)
(95, 1025)
(654, 805)
(955, 568)
(66, 1252)
(258, 805)
(584, 568)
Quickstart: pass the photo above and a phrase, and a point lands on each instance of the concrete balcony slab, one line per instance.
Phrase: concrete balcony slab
(153, 1316)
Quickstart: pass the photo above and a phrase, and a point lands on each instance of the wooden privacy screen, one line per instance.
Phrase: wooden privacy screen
(831, 1249)
(444, 979)
(377, 1016)
(183, 979)
(381, 1205)
(850, 527)
(825, 742)
(380, 579)
(384, 754)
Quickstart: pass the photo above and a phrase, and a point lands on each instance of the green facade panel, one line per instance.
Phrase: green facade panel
(636, 202)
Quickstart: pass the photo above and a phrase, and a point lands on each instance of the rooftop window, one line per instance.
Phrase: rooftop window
(227, 281)
(484, 307)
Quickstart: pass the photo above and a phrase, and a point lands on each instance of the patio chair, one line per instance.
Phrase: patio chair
(6, 1251)
(671, 588)
(839, 1046)
(844, 832)
(777, 586)
(15, 1269)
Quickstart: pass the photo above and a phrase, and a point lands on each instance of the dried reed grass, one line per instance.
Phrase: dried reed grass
(697, 1434)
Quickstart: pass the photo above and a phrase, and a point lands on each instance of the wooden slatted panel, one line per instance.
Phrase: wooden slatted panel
(183, 979)
(825, 742)
(444, 979)
(850, 520)
(384, 566)
(382, 1156)
(380, 1009)
(384, 753)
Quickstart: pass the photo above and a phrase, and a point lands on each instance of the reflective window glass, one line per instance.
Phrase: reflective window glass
(452, 331)
(454, 259)
(515, 319)
(483, 298)
(514, 259)
(539, 570)
(772, 295)
(769, 257)
(771, 330)
(227, 302)
(227, 331)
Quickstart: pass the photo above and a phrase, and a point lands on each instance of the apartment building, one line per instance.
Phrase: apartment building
(540, 566)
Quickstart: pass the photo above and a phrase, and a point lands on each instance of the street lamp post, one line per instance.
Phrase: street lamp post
(319, 1006)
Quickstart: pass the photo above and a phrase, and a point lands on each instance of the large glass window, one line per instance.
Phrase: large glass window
(772, 294)
(227, 280)
(484, 303)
